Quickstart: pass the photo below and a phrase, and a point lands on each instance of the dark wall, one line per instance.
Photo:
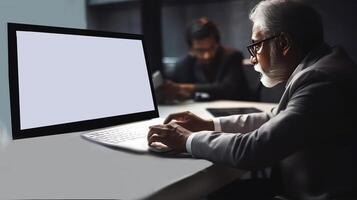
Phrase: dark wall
(340, 23)
(339, 17)
(117, 17)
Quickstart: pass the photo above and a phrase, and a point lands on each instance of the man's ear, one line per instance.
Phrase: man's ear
(285, 42)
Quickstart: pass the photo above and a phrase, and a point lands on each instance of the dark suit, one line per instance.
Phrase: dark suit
(311, 134)
(223, 78)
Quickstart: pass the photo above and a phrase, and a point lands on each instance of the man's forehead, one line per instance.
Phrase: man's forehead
(257, 32)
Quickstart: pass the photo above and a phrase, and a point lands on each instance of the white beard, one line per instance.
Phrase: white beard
(265, 79)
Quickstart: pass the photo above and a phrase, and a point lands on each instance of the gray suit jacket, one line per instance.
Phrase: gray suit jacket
(311, 134)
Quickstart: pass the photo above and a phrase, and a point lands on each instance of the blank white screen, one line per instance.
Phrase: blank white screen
(69, 78)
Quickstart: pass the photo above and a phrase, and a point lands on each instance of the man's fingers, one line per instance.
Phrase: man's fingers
(181, 123)
(172, 117)
(175, 116)
(156, 138)
(157, 129)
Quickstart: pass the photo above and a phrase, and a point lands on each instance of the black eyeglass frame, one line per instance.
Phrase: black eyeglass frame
(251, 46)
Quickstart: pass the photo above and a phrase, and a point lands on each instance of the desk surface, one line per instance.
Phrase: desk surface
(67, 166)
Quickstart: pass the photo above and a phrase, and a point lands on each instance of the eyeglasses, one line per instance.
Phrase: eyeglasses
(255, 47)
(200, 51)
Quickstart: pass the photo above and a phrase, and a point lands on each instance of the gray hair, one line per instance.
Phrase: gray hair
(300, 21)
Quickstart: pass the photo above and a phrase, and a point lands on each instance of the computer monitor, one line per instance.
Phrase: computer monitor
(64, 80)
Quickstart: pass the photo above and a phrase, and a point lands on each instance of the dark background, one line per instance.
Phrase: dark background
(163, 23)
(231, 16)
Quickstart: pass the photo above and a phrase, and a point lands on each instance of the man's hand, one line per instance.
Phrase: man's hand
(172, 135)
(176, 91)
(190, 121)
(187, 88)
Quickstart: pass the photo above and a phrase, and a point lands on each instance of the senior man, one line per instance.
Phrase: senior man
(310, 135)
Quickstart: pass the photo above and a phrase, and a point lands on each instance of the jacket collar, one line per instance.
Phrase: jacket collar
(311, 58)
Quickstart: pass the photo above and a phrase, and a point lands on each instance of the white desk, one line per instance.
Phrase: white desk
(67, 166)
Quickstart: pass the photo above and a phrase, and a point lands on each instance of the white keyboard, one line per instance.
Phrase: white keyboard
(131, 136)
(117, 134)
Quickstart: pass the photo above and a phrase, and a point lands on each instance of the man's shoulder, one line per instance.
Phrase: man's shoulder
(335, 68)
(334, 65)
(229, 51)
(336, 61)
(230, 55)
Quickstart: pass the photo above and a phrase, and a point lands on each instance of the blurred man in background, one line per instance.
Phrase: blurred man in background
(209, 71)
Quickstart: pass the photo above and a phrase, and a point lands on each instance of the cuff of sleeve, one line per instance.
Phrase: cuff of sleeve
(217, 125)
(188, 143)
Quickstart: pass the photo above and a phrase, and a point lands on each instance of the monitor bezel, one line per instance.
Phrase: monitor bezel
(84, 125)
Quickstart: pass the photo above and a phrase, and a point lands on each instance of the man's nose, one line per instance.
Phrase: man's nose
(206, 56)
(253, 60)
